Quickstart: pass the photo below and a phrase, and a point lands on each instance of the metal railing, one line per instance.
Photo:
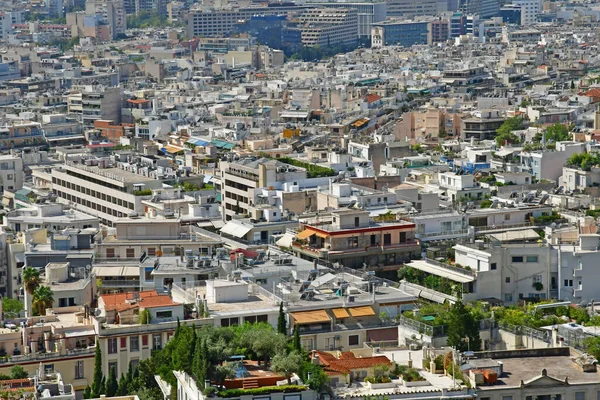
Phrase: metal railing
(457, 232)
(120, 282)
(47, 356)
(545, 336)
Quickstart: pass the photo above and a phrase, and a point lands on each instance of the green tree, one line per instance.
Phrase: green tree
(11, 307)
(287, 364)
(96, 389)
(557, 133)
(267, 343)
(318, 381)
(31, 279)
(87, 392)
(463, 329)
(111, 384)
(43, 298)
(201, 364)
(123, 384)
(281, 322)
(296, 344)
(17, 372)
(222, 372)
(572, 85)
(505, 132)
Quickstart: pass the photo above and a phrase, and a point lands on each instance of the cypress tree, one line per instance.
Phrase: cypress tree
(296, 342)
(111, 384)
(281, 323)
(122, 389)
(97, 389)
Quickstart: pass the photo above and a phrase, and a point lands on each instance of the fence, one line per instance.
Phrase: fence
(545, 336)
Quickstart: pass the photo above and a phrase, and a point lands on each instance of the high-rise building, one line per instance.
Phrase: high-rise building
(111, 13)
(483, 8)
(400, 32)
(151, 6)
(369, 12)
(440, 30)
(328, 26)
(412, 8)
(529, 10)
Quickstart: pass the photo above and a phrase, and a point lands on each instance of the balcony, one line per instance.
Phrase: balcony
(375, 249)
(112, 283)
(47, 356)
(442, 235)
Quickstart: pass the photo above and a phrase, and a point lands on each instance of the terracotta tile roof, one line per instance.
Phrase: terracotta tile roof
(372, 98)
(347, 364)
(147, 299)
(594, 92)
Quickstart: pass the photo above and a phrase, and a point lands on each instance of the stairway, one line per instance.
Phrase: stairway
(250, 384)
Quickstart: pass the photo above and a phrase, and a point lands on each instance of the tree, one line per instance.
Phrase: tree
(31, 279)
(557, 133)
(222, 372)
(318, 381)
(17, 372)
(123, 384)
(200, 364)
(296, 344)
(43, 298)
(572, 85)
(505, 132)
(11, 307)
(111, 384)
(281, 322)
(287, 364)
(87, 392)
(96, 389)
(267, 343)
(463, 329)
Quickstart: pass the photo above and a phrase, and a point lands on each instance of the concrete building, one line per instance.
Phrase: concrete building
(111, 13)
(349, 237)
(529, 10)
(368, 12)
(410, 8)
(90, 103)
(327, 26)
(20, 134)
(11, 173)
(402, 33)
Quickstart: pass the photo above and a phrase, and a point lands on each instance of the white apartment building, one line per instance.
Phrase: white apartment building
(369, 12)
(460, 187)
(529, 10)
(328, 26)
(93, 102)
(11, 173)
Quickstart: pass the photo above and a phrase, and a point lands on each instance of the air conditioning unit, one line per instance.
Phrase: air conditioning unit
(376, 350)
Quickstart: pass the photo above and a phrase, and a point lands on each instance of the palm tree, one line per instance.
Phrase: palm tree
(43, 298)
(31, 279)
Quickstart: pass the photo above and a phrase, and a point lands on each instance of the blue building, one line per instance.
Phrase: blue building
(511, 14)
(400, 33)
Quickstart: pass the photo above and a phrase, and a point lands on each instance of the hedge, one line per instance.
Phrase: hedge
(261, 390)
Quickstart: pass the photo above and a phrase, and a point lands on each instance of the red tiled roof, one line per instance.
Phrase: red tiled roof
(138, 101)
(147, 299)
(372, 98)
(347, 363)
(594, 92)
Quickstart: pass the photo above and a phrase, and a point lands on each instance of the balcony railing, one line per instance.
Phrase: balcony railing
(120, 283)
(451, 268)
(47, 356)
(368, 249)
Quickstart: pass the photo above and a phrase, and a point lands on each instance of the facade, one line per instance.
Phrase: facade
(11, 173)
(91, 103)
(112, 14)
(349, 237)
(402, 33)
(328, 26)
(440, 30)
(529, 10)
(21, 134)
(369, 13)
(409, 8)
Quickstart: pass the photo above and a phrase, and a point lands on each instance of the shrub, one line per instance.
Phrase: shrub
(261, 390)
(144, 192)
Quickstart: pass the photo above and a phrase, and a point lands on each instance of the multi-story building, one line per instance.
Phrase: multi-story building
(7, 72)
(159, 6)
(483, 125)
(21, 134)
(111, 13)
(11, 173)
(482, 8)
(403, 33)
(221, 22)
(239, 177)
(90, 103)
(368, 12)
(440, 30)
(349, 237)
(529, 10)
(7, 20)
(105, 191)
(410, 8)
(327, 26)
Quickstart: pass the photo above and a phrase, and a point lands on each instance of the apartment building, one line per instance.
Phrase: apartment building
(409, 8)
(327, 26)
(350, 238)
(461, 187)
(104, 190)
(338, 195)
(369, 12)
(21, 134)
(238, 178)
(548, 164)
(111, 13)
(89, 103)
(11, 173)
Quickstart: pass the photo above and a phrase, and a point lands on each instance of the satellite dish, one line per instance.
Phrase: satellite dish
(97, 312)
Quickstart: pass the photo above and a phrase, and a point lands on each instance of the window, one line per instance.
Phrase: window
(508, 297)
(353, 340)
(507, 280)
(79, 369)
(133, 364)
(145, 340)
(130, 253)
(387, 239)
(517, 259)
(356, 222)
(156, 342)
(568, 282)
(402, 237)
(110, 253)
(134, 343)
(124, 343)
(151, 251)
(373, 240)
(507, 217)
(579, 395)
(531, 259)
(229, 321)
(353, 242)
(148, 274)
(164, 314)
(507, 398)
(115, 365)
(493, 266)
(112, 345)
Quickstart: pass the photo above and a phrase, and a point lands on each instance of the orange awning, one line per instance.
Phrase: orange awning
(340, 313)
(365, 311)
(310, 317)
(321, 235)
(305, 234)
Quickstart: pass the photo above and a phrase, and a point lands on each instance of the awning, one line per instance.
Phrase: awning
(340, 313)
(116, 271)
(172, 149)
(310, 317)
(217, 223)
(236, 229)
(437, 270)
(285, 241)
(364, 311)
(321, 235)
(381, 335)
(305, 234)
(79, 333)
(79, 255)
(6, 201)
